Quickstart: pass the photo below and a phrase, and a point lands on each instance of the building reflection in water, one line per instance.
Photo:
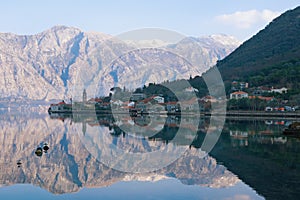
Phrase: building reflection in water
(69, 166)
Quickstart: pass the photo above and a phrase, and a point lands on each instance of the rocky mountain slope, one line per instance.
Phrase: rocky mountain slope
(55, 63)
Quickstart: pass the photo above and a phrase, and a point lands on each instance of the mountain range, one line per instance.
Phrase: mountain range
(55, 63)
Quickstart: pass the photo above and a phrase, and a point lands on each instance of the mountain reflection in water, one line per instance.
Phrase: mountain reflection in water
(67, 165)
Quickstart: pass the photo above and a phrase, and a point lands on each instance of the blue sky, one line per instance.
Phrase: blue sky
(240, 18)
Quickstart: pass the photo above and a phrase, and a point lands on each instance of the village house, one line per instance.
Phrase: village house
(262, 89)
(60, 107)
(282, 90)
(208, 98)
(159, 99)
(190, 105)
(236, 86)
(191, 89)
(238, 95)
(262, 98)
(172, 106)
(117, 102)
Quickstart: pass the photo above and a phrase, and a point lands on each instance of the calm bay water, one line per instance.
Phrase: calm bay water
(251, 160)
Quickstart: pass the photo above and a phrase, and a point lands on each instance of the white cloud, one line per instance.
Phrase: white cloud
(247, 19)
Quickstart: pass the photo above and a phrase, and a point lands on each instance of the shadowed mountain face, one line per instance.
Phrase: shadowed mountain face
(68, 166)
(50, 64)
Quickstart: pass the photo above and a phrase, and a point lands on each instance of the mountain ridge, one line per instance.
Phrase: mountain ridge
(48, 65)
(269, 56)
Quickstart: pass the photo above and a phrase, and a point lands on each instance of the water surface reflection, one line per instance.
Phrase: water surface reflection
(67, 166)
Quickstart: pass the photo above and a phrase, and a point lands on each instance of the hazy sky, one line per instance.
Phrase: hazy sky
(240, 18)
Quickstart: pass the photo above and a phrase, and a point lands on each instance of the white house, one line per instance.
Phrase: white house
(159, 99)
(282, 90)
(191, 89)
(238, 95)
(208, 98)
(117, 102)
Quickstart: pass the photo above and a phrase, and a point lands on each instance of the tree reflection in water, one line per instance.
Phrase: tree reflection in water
(69, 166)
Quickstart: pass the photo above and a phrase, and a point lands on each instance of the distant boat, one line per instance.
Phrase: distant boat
(293, 130)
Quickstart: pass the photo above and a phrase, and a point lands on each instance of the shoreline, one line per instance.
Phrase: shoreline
(260, 114)
(229, 114)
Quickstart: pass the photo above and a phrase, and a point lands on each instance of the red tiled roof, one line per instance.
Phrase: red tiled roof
(171, 103)
(262, 98)
(239, 92)
(191, 101)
